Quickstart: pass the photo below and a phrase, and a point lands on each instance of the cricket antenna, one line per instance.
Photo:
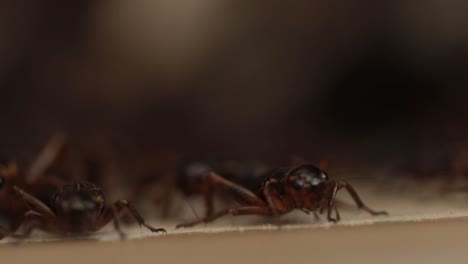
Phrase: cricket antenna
(191, 207)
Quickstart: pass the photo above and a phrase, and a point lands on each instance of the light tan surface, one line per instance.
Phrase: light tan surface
(429, 242)
(423, 227)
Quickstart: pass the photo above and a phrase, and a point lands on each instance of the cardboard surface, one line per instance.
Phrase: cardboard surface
(423, 226)
(429, 242)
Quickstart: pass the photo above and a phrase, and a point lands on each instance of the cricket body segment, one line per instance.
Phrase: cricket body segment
(304, 187)
(77, 208)
(44, 200)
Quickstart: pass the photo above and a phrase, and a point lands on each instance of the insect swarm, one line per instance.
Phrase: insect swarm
(305, 187)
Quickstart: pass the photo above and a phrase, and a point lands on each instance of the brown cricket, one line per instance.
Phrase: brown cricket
(304, 187)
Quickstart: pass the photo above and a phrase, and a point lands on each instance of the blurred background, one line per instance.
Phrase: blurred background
(360, 84)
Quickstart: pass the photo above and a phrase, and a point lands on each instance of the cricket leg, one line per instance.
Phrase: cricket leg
(276, 205)
(35, 205)
(112, 214)
(247, 196)
(117, 223)
(331, 205)
(360, 204)
(47, 157)
(249, 200)
(31, 221)
(242, 210)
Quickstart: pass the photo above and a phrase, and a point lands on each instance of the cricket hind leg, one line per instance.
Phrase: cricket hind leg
(360, 204)
(250, 202)
(242, 210)
(243, 194)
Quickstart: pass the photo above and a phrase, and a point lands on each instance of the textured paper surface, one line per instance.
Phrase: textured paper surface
(423, 227)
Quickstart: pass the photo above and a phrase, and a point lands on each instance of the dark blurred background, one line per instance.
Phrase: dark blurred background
(378, 85)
